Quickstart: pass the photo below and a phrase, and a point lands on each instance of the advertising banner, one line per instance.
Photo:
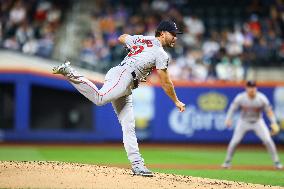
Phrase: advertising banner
(203, 120)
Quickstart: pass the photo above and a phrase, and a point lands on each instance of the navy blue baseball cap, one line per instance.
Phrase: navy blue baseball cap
(168, 26)
(251, 83)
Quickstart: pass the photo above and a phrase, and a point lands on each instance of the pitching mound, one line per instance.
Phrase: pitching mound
(73, 175)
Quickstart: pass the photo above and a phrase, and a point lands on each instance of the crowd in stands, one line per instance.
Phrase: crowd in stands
(29, 26)
(203, 51)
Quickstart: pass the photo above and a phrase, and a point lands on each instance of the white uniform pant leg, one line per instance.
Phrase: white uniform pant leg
(117, 82)
(239, 132)
(124, 110)
(88, 89)
(262, 132)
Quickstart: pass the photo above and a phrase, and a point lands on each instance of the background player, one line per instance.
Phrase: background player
(146, 53)
(252, 103)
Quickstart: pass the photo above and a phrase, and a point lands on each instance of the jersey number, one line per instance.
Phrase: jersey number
(138, 49)
(135, 50)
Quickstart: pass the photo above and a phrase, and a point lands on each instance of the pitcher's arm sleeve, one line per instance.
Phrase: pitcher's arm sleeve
(233, 108)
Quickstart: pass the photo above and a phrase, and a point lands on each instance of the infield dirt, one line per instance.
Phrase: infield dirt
(31, 174)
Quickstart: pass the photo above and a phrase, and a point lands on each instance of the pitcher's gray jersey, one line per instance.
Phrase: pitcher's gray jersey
(146, 53)
(251, 109)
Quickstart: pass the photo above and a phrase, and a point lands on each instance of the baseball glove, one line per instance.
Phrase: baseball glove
(275, 129)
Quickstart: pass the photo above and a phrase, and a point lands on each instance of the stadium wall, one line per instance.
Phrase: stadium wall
(37, 106)
(49, 109)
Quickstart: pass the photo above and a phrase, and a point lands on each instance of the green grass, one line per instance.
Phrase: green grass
(258, 177)
(113, 155)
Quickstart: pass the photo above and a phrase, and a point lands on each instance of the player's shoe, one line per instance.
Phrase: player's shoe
(278, 165)
(226, 165)
(142, 171)
(66, 70)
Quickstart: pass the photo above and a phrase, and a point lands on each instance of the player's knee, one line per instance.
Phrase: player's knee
(267, 142)
(100, 102)
(128, 126)
(234, 144)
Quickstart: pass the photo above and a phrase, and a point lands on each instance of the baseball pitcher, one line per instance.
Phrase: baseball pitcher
(145, 54)
(251, 104)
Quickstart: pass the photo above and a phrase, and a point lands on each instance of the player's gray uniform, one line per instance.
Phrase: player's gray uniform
(251, 118)
(146, 53)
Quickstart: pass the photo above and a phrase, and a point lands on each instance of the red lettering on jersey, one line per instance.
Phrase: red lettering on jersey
(147, 42)
(252, 109)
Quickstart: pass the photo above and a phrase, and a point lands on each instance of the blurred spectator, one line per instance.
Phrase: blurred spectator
(30, 47)
(46, 42)
(1, 34)
(17, 13)
(175, 70)
(194, 30)
(254, 25)
(160, 5)
(30, 26)
(213, 61)
(230, 68)
(194, 25)
(192, 66)
(261, 50)
(199, 71)
(281, 52)
(211, 46)
(88, 56)
(235, 42)
(41, 11)
(11, 43)
(24, 33)
(54, 15)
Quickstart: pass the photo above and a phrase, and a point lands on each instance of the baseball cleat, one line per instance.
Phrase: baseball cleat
(142, 171)
(66, 70)
(226, 165)
(278, 165)
(62, 69)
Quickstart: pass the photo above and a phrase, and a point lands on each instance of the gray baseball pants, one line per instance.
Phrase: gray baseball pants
(260, 129)
(116, 89)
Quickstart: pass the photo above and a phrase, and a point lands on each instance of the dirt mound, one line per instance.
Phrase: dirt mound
(32, 174)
